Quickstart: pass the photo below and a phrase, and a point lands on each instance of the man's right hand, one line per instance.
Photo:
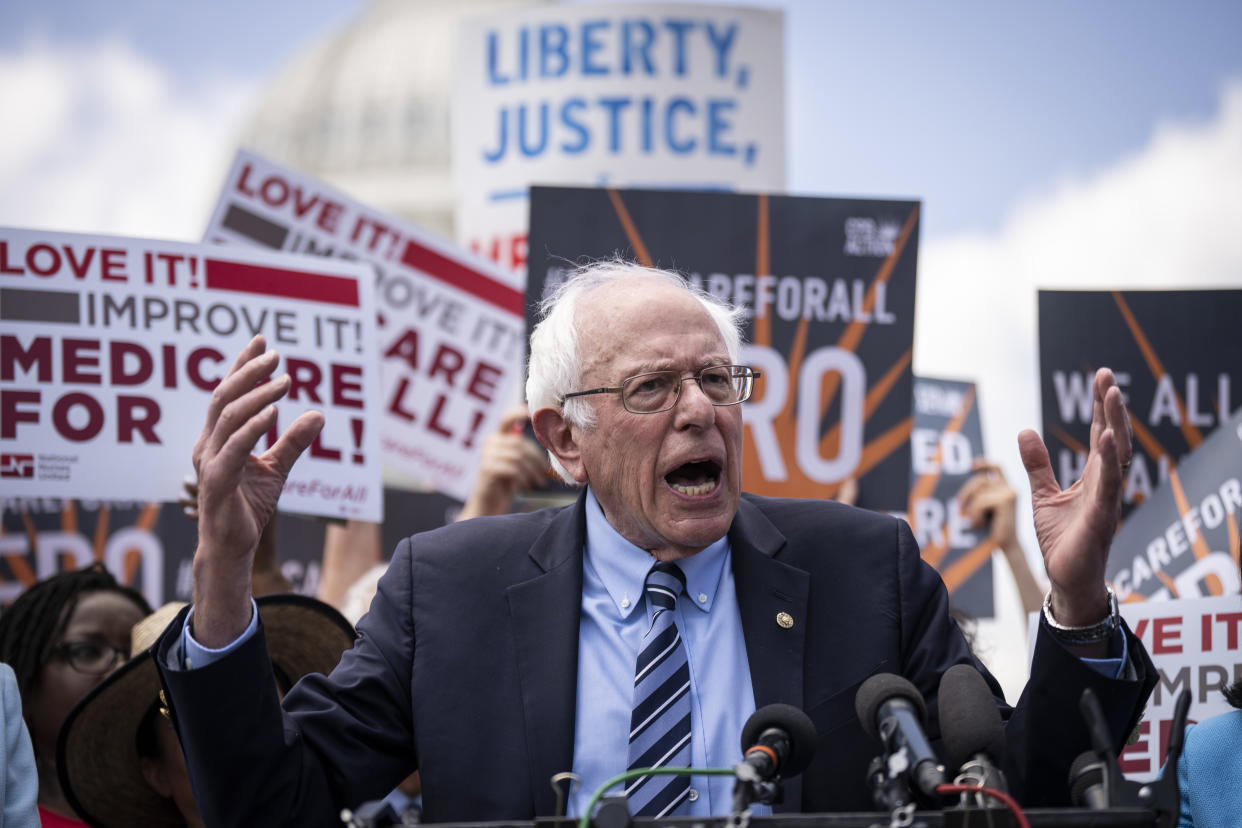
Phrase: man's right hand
(237, 490)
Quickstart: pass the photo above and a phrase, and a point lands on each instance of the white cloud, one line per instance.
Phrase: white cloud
(105, 144)
(1167, 217)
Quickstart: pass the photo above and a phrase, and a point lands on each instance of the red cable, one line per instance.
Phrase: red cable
(1006, 799)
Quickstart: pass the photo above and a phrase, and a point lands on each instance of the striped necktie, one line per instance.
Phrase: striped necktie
(660, 724)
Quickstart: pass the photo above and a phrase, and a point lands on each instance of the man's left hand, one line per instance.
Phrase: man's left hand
(1075, 526)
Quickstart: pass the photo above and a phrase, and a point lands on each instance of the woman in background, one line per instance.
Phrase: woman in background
(1209, 771)
(63, 636)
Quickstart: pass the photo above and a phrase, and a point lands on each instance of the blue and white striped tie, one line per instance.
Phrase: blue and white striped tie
(660, 725)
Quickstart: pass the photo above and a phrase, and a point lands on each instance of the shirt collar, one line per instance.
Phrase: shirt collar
(622, 567)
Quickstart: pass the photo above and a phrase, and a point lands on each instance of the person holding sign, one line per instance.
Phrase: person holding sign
(502, 650)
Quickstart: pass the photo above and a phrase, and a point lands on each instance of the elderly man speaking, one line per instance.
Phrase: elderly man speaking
(640, 626)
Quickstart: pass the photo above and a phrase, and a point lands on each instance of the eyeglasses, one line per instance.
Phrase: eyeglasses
(94, 658)
(658, 391)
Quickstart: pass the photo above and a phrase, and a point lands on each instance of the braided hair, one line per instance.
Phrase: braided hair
(30, 626)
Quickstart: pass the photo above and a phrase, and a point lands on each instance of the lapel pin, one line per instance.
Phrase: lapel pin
(784, 620)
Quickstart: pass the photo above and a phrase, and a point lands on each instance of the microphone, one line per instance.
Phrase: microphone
(1095, 777)
(971, 727)
(778, 742)
(1086, 779)
(1100, 773)
(891, 710)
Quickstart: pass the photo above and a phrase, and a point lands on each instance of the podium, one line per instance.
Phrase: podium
(949, 818)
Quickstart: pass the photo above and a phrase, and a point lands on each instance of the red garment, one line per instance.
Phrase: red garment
(51, 820)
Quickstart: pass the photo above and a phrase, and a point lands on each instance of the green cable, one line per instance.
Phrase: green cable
(585, 821)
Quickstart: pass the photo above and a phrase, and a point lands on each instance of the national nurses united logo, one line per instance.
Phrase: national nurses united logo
(17, 465)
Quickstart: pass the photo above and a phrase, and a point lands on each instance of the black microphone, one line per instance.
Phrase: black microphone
(891, 710)
(1105, 783)
(971, 727)
(1087, 777)
(778, 742)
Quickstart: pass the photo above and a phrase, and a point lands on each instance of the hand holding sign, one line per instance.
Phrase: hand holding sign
(1076, 526)
(237, 490)
(510, 463)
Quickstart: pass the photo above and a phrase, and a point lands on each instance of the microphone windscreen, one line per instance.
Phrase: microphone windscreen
(1086, 772)
(969, 721)
(801, 730)
(880, 688)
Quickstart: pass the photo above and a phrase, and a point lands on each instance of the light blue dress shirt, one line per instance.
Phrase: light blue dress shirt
(614, 618)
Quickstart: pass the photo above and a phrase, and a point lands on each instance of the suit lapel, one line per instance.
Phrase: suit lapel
(545, 613)
(772, 600)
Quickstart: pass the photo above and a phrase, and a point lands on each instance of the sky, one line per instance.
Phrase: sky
(1054, 144)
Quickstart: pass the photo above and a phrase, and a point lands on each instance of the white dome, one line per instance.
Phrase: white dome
(367, 109)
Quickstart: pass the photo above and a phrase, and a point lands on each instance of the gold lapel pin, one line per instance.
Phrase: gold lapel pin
(784, 620)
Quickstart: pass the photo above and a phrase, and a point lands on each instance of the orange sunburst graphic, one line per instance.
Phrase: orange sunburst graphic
(18, 566)
(1159, 453)
(798, 483)
(935, 551)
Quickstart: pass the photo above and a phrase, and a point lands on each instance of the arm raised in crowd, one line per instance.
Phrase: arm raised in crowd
(509, 463)
(987, 499)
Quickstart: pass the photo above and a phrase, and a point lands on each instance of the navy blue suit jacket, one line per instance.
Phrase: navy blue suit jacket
(466, 669)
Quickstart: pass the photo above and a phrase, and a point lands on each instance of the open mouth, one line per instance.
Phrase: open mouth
(694, 479)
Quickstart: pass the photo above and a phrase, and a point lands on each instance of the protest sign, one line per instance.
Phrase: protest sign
(631, 94)
(946, 440)
(828, 289)
(1194, 645)
(1182, 542)
(449, 323)
(110, 349)
(44, 536)
(150, 546)
(1178, 386)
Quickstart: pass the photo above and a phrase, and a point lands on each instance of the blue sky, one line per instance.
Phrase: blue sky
(970, 106)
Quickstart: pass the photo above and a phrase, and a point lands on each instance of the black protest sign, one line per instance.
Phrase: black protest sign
(1182, 542)
(946, 441)
(1177, 358)
(150, 546)
(828, 285)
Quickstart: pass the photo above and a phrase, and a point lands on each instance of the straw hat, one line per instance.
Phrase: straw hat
(99, 766)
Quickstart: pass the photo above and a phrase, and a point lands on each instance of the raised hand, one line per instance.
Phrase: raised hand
(986, 499)
(237, 490)
(1075, 526)
(510, 462)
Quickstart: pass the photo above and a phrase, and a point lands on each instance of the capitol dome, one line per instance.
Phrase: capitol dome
(368, 108)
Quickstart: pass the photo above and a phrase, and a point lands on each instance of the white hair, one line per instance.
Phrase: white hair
(555, 369)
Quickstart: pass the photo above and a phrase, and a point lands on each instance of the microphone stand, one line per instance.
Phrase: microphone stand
(1162, 796)
(750, 788)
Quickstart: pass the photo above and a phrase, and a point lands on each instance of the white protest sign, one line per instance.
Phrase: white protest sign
(110, 348)
(643, 95)
(1194, 645)
(450, 324)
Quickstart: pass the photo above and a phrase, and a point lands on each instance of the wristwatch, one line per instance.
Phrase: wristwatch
(1090, 634)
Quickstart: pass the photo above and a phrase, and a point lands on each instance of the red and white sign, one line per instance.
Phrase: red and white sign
(1194, 645)
(450, 324)
(110, 348)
